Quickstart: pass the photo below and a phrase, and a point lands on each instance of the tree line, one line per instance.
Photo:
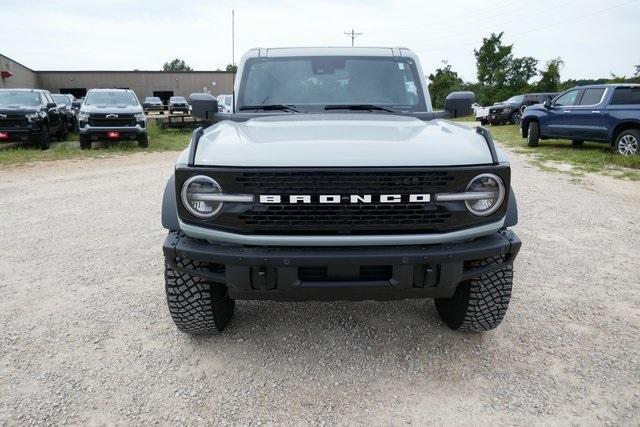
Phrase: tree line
(502, 75)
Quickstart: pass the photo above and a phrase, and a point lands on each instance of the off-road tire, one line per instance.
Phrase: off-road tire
(143, 141)
(630, 135)
(484, 122)
(577, 143)
(44, 139)
(85, 142)
(197, 306)
(479, 304)
(533, 136)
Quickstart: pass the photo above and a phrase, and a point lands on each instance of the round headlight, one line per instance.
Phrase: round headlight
(199, 196)
(489, 194)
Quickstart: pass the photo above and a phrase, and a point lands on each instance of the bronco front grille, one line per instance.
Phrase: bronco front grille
(341, 218)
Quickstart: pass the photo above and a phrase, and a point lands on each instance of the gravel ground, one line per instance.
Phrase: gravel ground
(86, 337)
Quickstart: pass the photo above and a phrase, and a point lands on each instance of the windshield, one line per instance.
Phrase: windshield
(19, 97)
(61, 99)
(152, 99)
(111, 98)
(515, 99)
(178, 99)
(310, 83)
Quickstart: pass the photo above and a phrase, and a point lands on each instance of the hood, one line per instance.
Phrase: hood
(18, 109)
(106, 109)
(347, 139)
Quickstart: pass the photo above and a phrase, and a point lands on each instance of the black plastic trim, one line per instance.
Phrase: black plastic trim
(492, 148)
(193, 146)
(169, 206)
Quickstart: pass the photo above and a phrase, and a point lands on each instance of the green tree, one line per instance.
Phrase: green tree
(443, 81)
(637, 74)
(176, 65)
(501, 74)
(550, 76)
(232, 68)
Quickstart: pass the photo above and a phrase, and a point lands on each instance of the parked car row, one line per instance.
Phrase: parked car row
(35, 116)
(175, 104)
(607, 113)
(510, 111)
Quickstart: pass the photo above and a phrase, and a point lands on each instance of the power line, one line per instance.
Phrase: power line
(587, 15)
(353, 35)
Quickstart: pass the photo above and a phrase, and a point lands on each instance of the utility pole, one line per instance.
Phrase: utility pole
(353, 35)
(233, 37)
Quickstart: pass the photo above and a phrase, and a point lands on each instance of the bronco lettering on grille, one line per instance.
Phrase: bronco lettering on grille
(351, 198)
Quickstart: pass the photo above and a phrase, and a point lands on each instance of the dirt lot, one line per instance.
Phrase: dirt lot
(86, 337)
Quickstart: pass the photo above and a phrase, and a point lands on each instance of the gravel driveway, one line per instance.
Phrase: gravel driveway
(86, 337)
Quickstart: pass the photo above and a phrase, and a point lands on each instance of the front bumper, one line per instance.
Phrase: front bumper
(23, 133)
(502, 116)
(335, 273)
(101, 132)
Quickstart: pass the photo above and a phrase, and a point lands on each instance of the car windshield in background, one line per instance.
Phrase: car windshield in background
(111, 98)
(19, 98)
(178, 99)
(61, 99)
(312, 83)
(152, 99)
(515, 99)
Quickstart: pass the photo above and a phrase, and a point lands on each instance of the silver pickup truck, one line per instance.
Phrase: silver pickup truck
(333, 178)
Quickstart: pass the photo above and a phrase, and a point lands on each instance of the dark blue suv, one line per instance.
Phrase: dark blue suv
(608, 113)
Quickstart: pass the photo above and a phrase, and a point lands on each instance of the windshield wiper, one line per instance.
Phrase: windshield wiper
(269, 107)
(359, 107)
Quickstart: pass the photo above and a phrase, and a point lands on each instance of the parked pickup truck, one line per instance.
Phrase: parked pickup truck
(510, 111)
(113, 115)
(30, 115)
(601, 113)
(338, 182)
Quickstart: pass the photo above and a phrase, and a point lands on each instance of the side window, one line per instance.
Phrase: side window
(626, 96)
(567, 99)
(592, 96)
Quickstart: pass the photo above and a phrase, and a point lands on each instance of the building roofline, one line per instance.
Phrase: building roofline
(20, 64)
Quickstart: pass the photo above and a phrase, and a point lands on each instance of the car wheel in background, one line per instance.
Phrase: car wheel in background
(516, 117)
(577, 143)
(85, 142)
(62, 133)
(627, 142)
(143, 141)
(533, 136)
(45, 139)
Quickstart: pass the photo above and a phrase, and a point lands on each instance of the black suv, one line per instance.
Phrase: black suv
(153, 103)
(30, 115)
(510, 111)
(178, 103)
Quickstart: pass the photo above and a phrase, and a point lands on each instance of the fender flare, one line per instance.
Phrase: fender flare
(512, 210)
(169, 206)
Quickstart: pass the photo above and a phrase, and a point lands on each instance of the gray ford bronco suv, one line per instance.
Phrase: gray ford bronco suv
(333, 178)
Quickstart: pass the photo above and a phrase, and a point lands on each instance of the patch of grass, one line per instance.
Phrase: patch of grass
(471, 118)
(159, 140)
(592, 157)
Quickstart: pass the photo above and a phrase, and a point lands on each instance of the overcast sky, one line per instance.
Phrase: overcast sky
(595, 38)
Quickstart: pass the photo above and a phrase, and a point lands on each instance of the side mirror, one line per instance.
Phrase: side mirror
(204, 106)
(547, 103)
(52, 105)
(459, 104)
